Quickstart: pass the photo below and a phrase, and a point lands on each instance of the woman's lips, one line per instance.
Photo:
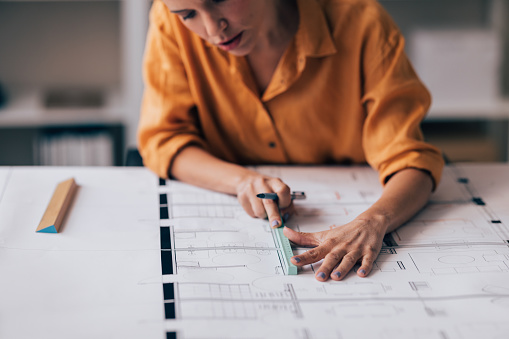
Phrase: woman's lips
(232, 43)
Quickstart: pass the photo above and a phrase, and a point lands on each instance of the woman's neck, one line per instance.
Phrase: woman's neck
(281, 26)
(273, 42)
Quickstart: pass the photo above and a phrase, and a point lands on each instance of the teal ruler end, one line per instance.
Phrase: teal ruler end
(285, 251)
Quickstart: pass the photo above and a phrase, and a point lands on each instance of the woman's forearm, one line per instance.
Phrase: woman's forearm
(406, 193)
(195, 166)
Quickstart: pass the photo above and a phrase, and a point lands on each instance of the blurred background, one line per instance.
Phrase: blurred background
(71, 86)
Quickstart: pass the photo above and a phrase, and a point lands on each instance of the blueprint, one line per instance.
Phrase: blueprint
(445, 274)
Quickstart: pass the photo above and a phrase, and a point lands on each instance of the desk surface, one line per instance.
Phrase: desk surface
(140, 258)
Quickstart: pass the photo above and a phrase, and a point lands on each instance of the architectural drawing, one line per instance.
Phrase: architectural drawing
(226, 275)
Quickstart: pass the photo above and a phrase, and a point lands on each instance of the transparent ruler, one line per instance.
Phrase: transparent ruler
(285, 251)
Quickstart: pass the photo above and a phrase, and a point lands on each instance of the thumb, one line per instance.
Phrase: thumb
(301, 238)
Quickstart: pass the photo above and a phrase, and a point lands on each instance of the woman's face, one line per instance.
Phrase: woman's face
(232, 25)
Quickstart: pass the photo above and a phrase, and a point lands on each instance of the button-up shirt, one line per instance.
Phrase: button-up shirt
(343, 92)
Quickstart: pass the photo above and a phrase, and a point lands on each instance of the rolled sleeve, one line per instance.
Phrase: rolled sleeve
(396, 102)
(169, 121)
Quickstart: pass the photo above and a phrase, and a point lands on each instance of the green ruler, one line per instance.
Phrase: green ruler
(285, 252)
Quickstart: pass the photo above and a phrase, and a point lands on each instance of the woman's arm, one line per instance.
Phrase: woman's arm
(361, 240)
(198, 167)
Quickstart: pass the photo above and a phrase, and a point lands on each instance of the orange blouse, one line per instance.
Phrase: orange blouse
(343, 92)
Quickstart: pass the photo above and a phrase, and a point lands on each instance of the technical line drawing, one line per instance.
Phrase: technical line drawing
(451, 257)
(459, 262)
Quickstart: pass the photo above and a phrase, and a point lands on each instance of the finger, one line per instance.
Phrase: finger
(283, 192)
(331, 261)
(245, 202)
(272, 210)
(258, 204)
(311, 256)
(367, 265)
(301, 238)
(287, 212)
(348, 261)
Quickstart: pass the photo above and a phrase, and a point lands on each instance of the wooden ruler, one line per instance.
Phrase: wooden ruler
(57, 207)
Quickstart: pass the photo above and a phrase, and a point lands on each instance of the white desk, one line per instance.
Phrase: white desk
(90, 280)
(139, 260)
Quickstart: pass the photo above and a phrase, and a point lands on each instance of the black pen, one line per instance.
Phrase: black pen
(273, 196)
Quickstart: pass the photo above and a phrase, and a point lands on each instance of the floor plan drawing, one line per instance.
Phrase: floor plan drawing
(445, 274)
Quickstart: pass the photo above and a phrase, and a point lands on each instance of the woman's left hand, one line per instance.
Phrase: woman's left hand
(341, 247)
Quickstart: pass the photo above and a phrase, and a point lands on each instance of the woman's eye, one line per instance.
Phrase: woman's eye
(189, 15)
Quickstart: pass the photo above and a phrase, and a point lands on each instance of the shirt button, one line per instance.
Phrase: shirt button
(272, 144)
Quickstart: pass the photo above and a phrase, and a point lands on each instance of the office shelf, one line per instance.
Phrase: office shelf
(93, 45)
(496, 110)
(26, 109)
(461, 47)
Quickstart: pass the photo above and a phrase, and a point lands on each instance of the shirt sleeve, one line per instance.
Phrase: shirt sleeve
(396, 102)
(169, 120)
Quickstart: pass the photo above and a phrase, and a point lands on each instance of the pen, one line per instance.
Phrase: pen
(273, 196)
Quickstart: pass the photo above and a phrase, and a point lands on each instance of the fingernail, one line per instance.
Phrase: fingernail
(337, 274)
(275, 223)
(296, 259)
(321, 275)
(286, 216)
(361, 271)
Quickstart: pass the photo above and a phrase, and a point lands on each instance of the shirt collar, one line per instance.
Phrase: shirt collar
(313, 36)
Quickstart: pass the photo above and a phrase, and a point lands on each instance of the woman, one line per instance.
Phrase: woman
(236, 82)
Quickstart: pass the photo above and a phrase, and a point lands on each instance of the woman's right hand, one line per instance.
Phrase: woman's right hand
(256, 183)
(222, 176)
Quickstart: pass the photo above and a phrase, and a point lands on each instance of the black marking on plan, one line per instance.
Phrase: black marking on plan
(166, 262)
(163, 199)
(478, 201)
(496, 222)
(163, 212)
(463, 180)
(388, 251)
(171, 335)
(162, 182)
(165, 235)
(169, 291)
(419, 285)
(169, 310)
(389, 240)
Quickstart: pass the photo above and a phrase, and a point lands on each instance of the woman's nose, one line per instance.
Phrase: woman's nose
(214, 26)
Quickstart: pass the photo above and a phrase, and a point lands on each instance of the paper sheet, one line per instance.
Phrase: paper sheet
(140, 260)
(98, 277)
(443, 275)
(4, 176)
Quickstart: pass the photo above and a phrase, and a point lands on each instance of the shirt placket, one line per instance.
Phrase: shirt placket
(270, 146)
